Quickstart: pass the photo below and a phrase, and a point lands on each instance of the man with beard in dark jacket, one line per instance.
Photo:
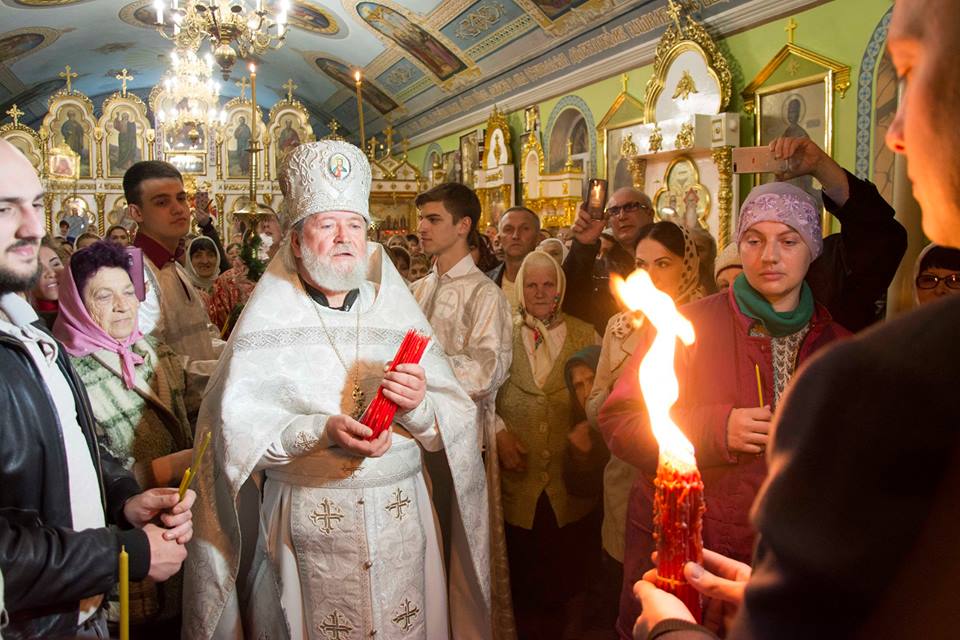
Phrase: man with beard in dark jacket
(58, 490)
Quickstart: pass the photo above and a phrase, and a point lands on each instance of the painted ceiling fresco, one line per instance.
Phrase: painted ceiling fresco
(423, 61)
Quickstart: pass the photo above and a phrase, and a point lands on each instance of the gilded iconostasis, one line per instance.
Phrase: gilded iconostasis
(521, 99)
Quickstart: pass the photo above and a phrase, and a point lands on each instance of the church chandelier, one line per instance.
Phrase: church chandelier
(192, 95)
(235, 29)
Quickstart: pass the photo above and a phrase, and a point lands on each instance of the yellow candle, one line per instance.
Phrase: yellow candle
(124, 594)
(185, 482)
(759, 384)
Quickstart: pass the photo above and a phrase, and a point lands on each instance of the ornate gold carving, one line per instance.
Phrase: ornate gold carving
(100, 199)
(656, 139)
(688, 199)
(638, 172)
(498, 121)
(836, 74)
(326, 515)
(479, 20)
(123, 77)
(290, 86)
(685, 86)
(221, 200)
(790, 29)
(68, 75)
(14, 112)
(628, 147)
(98, 136)
(685, 136)
(723, 158)
(680, 36)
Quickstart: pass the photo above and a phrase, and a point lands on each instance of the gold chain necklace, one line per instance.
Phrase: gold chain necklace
(357, 394)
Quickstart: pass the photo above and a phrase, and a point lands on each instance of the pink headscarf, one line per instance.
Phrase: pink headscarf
(81, 336)
(786, 203)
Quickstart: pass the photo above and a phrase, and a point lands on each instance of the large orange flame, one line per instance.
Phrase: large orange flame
(658, 380)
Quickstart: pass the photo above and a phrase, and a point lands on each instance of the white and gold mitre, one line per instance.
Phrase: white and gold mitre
(328, 175)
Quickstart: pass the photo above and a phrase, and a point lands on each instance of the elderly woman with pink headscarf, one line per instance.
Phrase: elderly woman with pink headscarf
(135, 384)
(767, 320)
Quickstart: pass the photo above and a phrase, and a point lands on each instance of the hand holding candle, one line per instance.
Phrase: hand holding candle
(379, 415)
(194, 469)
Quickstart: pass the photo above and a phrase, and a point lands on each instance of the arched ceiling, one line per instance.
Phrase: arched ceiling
(416, 56)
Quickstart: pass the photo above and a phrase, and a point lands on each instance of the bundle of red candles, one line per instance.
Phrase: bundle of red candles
(379, 414)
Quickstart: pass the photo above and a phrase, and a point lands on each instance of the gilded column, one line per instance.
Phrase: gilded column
(221, 199)
(101, 226)
(98, 136)
(723, 158)
(638, 173)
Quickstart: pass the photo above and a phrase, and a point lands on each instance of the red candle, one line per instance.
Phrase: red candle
(678, 502)
(678, 529)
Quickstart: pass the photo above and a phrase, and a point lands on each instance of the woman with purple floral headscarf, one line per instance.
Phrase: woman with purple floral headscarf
(767, 321)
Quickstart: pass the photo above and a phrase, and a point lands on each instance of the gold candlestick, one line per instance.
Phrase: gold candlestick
(363, 136)
(254, 147)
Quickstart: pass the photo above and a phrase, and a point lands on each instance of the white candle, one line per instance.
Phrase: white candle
(158, 5)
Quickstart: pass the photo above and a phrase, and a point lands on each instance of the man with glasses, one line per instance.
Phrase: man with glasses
(588, 289)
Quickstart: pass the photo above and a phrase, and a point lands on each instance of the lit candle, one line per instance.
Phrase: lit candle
(158, 5)
(124, 594)
(253, 101)
(356, 76)
(678, 502)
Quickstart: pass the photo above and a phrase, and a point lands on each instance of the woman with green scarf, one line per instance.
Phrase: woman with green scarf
(767, 321)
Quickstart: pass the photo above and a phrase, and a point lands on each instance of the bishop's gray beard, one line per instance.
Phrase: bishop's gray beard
(328, 277)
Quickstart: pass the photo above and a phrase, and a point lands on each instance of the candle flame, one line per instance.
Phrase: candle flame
(253, 68)
(658, 380)
(356, 76)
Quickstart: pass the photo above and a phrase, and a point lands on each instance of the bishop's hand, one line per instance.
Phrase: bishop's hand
(350, 435)
(406, 386)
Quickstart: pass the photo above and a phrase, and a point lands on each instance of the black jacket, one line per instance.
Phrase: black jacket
(850, 278)
(47, 567)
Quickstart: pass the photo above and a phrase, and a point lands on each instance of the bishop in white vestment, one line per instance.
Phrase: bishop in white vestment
(343, 542)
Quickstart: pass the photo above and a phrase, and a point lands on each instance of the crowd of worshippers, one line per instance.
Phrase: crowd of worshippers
(513, 495)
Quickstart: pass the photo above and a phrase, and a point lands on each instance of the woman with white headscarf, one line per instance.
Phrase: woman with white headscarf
(544, 522)
(767, 322)
(202, 265)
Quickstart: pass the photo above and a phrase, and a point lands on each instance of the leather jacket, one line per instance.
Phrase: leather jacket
(47, 566)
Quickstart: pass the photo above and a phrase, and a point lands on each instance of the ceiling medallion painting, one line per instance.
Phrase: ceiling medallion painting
(344, 75)
(423, 46)
(17, 44)
(309, 17)
(45, 3)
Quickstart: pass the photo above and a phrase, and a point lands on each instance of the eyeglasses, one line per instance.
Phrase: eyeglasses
(929, 281)
(627, 207)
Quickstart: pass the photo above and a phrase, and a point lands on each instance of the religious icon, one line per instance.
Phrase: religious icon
(288, 137)
(344, 75)
(425, 47)
(70, 130)
(338, 166)
(14, 46)
(469, 157)
(123, 141)
(553, 9)
(309, 17)
(238, 149)
(798, 112)
(63, 163)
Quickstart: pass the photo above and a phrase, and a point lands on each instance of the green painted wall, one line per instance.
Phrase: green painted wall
(839, 29)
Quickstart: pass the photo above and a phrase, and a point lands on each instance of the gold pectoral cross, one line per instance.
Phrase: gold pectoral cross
(358, 401)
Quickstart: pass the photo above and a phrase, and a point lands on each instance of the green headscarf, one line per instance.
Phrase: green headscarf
(777, 324)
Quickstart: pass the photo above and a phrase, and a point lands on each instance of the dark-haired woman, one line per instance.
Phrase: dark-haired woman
(937, 274)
